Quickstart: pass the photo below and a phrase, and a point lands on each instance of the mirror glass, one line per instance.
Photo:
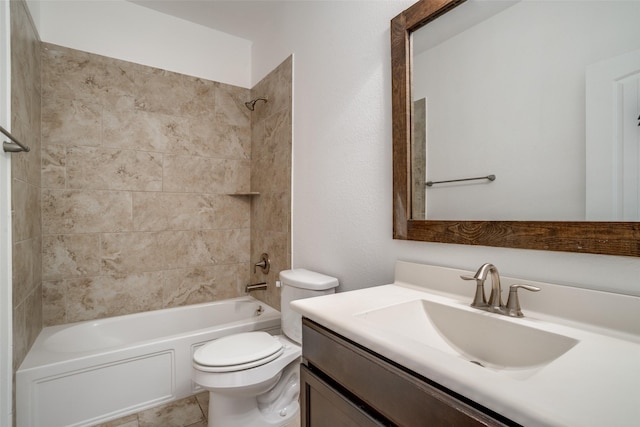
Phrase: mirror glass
(542, 95)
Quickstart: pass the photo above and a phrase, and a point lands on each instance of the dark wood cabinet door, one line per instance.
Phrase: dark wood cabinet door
(323, 406)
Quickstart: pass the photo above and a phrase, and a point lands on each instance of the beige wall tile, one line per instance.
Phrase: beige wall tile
(109, 169)
(77, 211)
(203, 94)
(25, 204)
(229, 105)
(21, 342)
(27, 323)
(26, 260)
(54, 302)
(129, 128)
(271, 166)
(178, 143)
(70, 255)
(271, 139)
(271, 212)
(23, 261)
(230, 141)
(54, 166)
(277, 134)
(25, 197)
(123, 253)
(189, 211)
(203, 284)
(34, 313)
(191, 174)
(72, 74)
(106, 296)
(160, 91)
(71, 122)
(207, 247)
(220, 140)
(140, 160)
(277, 244)
(21, 165)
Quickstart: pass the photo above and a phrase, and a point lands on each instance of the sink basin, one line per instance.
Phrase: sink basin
(486, 339)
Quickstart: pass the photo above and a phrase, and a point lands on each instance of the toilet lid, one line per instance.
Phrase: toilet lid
(240, 351)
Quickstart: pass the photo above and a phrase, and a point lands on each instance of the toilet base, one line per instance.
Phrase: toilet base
(275, 408)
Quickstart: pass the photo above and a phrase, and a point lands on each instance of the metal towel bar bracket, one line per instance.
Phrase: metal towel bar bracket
(14, 146)
(489, 177)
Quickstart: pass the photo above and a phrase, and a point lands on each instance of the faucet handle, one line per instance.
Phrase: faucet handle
(513, 303)
(264, 264)
(479, 300)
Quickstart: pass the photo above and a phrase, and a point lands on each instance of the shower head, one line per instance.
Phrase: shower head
(251, 105)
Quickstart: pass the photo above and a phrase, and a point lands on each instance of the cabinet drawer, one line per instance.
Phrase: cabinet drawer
(398, 396)
(323, 406)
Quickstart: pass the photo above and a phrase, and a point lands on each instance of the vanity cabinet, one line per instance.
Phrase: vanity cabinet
(344, 384)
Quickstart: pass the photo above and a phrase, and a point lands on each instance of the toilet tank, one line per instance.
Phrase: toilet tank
(299, 284)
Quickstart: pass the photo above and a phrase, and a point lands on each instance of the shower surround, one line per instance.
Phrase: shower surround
(25, 182)
(271, 143)
(121, 205)
(138, 165)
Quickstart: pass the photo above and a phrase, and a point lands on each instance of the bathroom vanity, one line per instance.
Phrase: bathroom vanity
(345, 384)
(415, 353)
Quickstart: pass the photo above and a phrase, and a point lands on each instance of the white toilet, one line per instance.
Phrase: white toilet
(253, 377)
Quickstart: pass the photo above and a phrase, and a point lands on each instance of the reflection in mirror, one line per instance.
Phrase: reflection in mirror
(419, 158)
(508, 85)
(557, 231)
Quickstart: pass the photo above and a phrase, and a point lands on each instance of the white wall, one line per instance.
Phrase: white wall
(342, 223)
(127, 31)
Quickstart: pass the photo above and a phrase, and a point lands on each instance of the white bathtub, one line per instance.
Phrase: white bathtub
(89, 372)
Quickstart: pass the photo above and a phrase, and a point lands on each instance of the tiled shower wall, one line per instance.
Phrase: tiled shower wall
(271, 141)
(25, 184)
(137, 165)
(271, 136)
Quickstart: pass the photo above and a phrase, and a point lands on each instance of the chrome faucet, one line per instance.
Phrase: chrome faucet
(495, 298)
(262, 286)
(495, 305)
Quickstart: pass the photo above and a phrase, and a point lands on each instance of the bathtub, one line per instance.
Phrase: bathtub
(90, 372)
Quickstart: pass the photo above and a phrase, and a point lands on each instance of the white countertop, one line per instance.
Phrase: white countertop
(595, 383)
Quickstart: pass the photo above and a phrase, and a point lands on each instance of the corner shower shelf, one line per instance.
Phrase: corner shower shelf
(244, 193)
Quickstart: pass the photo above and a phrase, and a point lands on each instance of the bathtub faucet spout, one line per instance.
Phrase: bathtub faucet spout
(262, 286)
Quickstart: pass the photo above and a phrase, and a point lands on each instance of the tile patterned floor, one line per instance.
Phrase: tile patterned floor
(189, 412)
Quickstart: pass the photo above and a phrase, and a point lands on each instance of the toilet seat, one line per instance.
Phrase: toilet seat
(238, 352)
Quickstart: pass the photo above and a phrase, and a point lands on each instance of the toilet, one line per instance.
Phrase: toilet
(253, 378)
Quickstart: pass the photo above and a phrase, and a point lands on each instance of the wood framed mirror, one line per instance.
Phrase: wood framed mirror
(598, 237)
